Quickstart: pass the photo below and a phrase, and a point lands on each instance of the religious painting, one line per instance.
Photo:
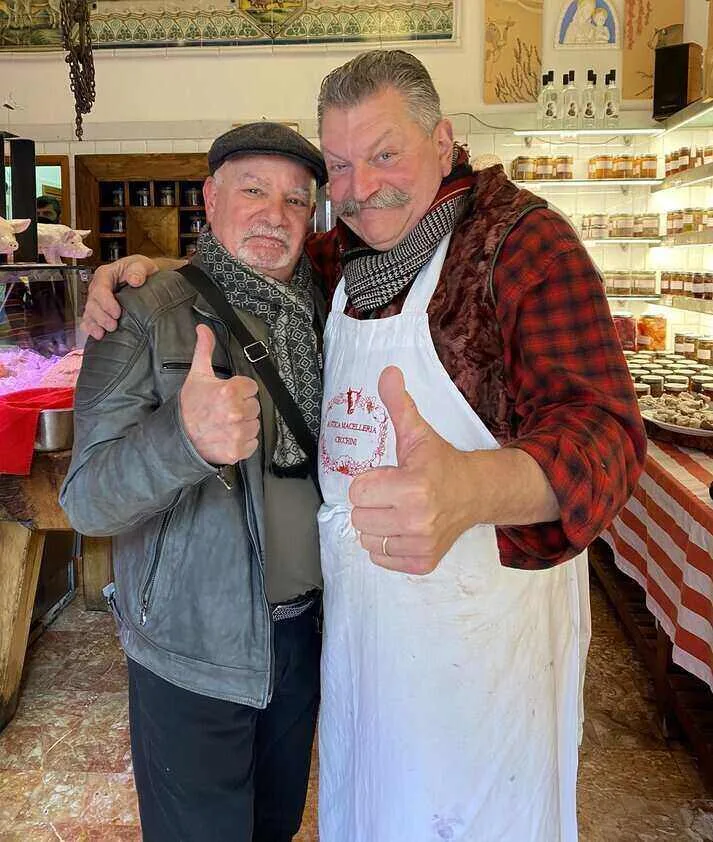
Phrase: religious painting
(513, 50)
(34, 24)
(643, 21)
(587, 24)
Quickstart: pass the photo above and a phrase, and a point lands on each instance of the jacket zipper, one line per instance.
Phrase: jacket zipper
(153, 569)
(250, 514)
(181, 366)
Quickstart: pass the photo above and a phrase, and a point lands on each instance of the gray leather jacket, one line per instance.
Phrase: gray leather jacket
(188, 552)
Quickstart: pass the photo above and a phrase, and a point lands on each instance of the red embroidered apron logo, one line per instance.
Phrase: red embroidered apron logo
(354, 431)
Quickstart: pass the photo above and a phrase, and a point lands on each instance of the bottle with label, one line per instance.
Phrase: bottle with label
(612, 102)
(589, 109)
(541, 102)
(570, 103)
(551, 115)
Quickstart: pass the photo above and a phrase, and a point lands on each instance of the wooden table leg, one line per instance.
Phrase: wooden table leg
(96, 571)
(20, 558)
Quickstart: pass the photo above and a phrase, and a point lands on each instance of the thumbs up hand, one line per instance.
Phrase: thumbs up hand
(415, 505)
(221, 417)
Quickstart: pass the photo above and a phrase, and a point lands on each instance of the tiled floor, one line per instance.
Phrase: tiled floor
(65, 770)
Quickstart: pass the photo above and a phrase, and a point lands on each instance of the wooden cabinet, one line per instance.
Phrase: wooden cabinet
(146, 204)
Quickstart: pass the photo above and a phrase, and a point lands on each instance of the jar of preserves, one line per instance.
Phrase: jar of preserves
(649, 166)
(688, 284)
(167, 196)
(117, 197)
(626, 225)
(604, 166)
(642, 389)
(698, 285)
(707, 389)
(655, 383)
(598, 226)
(193, 196)
(543, 168)
(117, 223)
(651, 332)
(644, 283)
(142, 197)
(195, 223)
(684, 159)
(677, 218)
(687, 225)
(707, 155)
(564, 166)
(676, 279)
(697, 159)
(525, 168)
(697, 382)
(665, 283)
(625, 324)
(680, 344)
(708, 219)
(637, 373)
(623, 166)
(592, 168)
(704, 354)
(698, 219)
(708, 286)
(649, 224)
(672, 388)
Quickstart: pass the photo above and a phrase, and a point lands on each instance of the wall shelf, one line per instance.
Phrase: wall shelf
(694, 238)
(589, 182)
(655, 298)
(682, 302)
(602, 132)
(687, 178)
(622, 241)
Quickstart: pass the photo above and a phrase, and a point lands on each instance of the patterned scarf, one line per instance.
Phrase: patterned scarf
(288, 311)
(374, 278)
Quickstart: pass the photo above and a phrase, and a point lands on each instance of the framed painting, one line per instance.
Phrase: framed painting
(588, 24)
(513, 50)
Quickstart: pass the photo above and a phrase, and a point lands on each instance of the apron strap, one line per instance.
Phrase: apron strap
(426, 281)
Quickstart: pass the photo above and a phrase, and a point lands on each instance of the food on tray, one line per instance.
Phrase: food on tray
(684, 410)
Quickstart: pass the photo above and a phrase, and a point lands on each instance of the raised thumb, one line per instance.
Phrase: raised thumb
(203, 352)
(408, 423)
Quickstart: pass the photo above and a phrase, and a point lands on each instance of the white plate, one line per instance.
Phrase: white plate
(674, 428)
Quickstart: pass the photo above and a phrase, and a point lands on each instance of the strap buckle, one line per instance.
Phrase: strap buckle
(262, 351)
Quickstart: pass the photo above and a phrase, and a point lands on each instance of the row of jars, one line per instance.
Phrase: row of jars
(689, 220)
(637, 282)
(524, 168)
(688, 284)
(600, 225)
(622, 166)
(667, 372)
(688, 157)
(165, 196)
(642, 333)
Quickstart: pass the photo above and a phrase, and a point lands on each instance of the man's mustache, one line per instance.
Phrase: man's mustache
(268, 231)
(387, 197)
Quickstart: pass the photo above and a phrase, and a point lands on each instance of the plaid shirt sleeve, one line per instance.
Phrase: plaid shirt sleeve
(577, 414)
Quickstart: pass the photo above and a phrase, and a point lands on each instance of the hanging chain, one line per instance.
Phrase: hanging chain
(77, 41)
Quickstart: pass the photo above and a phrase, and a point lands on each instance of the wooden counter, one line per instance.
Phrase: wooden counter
(29, 509)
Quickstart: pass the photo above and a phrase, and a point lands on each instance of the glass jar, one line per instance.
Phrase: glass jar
(707, 389)
(167, 197)
(688, 284)
(598, 226)
(649, 166)
(142, 197)
(684, 159)
(665, 283)
(642, 389)
(117, 224)
(195, 223)
(708, 219)
(672, 388)
(604, 166)
(193, 195)
(677, 217)
(543, 168)
(564, 166)
(687, 225)
(655, 384)
(623, 166)
(699, 285)
(698, 219)
(113, 250)
(708, 286)
(697, 160)
(644, 283)
(667, 165)
(707, 155)
(649, 225)
(651, 332)
(625, 324)
(676, 279)
(117, 197)
(704, 353)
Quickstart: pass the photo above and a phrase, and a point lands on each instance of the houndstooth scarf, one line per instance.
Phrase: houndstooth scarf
(288, 311)
(372, 278)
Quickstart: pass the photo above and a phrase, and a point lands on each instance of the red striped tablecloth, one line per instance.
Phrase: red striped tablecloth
(663, 538)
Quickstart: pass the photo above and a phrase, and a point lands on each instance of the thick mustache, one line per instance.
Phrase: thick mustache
(267, 231)
(388, 197)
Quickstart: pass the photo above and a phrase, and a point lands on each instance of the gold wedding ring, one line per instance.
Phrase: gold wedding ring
(384, 550)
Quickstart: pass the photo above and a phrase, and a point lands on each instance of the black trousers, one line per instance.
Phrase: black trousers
(207, 770)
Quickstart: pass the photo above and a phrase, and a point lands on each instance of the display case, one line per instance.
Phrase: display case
(40, 340)
(146, 204)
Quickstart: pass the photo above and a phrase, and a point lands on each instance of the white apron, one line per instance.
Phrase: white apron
(449, 701)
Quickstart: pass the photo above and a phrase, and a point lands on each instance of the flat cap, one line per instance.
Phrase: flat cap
(265, 138)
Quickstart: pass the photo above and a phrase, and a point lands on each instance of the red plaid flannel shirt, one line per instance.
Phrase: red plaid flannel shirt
(574, 398)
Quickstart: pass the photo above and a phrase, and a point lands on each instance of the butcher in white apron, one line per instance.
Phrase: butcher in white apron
(450, 702)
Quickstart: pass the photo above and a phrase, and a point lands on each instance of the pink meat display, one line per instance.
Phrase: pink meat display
(21, 369)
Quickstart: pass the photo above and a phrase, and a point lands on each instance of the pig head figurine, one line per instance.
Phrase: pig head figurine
(8, 229)
(58, 241)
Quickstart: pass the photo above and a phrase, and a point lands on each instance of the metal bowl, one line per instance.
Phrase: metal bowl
(55, 430)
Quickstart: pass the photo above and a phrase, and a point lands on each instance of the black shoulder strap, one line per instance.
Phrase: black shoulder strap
(258, 355)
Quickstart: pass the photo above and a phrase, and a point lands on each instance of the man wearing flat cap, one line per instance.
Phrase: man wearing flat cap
(183, 458)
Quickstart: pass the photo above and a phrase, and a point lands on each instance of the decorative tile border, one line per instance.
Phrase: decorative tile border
(185, 23)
